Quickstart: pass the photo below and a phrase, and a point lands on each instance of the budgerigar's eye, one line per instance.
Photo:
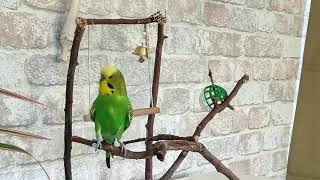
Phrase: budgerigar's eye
(110, 77)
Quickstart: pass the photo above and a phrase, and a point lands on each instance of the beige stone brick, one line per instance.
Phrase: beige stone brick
(23, 30)
(285, 135)
(121, 37)
(216, 14)
(259, 117)
(250, 93)
(266, 21)
(183, 70)
(262, 165)
(284, 69)
(243, 20)
(58, 5)
(281, 113)
(280, 160)
(263, 46)
(283, 24)
(97, 7)
(272, 138)
(262, 70)
(298, 25)
(290, 90)
(223, 148)
(217, 43)
(259, 4)
(241, 68)
(184, 11)
(292, 47)
(292, 6)
(221, 70)
(175, 101)
(180, 41)
(241, 167)
(250, 143)
(189, 122)
(11, 4)
(229, 122)
(274, 91)
(43, 70)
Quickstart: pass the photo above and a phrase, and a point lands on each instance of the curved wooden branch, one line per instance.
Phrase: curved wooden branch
(161, 137)
(217, 164)
(203, 124)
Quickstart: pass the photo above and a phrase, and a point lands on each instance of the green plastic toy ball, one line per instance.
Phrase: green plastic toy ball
(210, 92)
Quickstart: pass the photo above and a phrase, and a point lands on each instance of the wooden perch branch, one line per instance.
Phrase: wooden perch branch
(161, 137)
(203, 124)
(122, 21)
(159, 149)
(146, 111)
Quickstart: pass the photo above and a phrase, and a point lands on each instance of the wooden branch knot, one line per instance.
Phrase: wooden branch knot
(161, 150)
(81, 22)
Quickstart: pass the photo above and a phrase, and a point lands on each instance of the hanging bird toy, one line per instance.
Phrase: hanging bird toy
(212, 91)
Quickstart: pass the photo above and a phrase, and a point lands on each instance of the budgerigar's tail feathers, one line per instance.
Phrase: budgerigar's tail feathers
(108, 159)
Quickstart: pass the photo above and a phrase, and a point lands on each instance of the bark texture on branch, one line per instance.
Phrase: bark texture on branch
(122, 21)
(69, 100)
(155, 88)
(161, 137)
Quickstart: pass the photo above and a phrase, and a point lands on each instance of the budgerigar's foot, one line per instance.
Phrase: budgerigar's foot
(97, 145)
(123, 149)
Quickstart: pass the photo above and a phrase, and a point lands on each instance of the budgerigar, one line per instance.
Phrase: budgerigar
(111, 111)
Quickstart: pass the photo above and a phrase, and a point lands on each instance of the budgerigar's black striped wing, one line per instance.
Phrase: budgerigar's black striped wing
(93, 111)
(130, 115)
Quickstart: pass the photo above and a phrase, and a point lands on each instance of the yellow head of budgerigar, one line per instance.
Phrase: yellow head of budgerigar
(111, 81)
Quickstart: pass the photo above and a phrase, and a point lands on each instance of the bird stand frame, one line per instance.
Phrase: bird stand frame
(165, 142)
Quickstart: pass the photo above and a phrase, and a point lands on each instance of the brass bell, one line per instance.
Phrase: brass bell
(142, 52)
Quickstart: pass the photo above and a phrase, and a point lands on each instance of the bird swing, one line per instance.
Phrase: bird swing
(143, 52)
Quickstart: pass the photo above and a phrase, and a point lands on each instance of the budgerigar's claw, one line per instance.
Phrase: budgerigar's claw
(123, 148)
(97, 145)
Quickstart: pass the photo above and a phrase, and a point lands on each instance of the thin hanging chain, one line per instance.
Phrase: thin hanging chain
(89, 81)
(148, 59)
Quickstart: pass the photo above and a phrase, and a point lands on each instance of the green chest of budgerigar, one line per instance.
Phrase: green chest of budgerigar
(112, 113)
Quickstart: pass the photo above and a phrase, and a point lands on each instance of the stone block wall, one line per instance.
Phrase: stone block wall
(262, 38)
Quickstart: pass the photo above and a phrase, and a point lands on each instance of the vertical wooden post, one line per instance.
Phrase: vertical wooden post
(155, 88)
(69, 98)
